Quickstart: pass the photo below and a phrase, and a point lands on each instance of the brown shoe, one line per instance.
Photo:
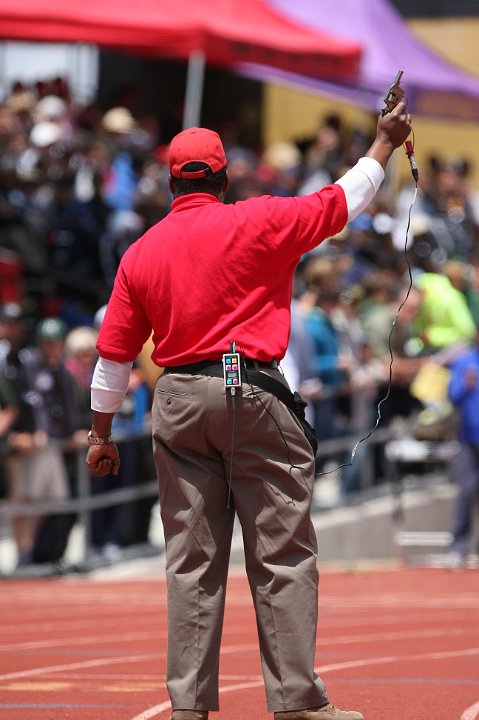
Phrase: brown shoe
(189, 715)
(327, 712)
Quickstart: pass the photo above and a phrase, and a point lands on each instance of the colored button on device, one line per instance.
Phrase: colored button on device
(231, 369)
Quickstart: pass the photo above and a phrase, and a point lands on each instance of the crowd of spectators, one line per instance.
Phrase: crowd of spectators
(78, 186)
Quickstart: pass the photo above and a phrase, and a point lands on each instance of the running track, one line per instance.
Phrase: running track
(395, 644)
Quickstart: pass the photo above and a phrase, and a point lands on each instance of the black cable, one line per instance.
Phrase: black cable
(414, 171)
(233, 429)
(388, 391)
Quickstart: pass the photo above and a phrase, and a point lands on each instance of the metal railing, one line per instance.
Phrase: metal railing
(85, 502)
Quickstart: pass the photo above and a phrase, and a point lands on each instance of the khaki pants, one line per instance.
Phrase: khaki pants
(272, 481)
(38, 475)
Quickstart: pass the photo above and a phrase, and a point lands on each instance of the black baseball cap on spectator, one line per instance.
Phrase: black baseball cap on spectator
(10, 312)
(51, 328)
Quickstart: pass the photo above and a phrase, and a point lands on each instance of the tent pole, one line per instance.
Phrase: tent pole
(3, 70)
(194, 89)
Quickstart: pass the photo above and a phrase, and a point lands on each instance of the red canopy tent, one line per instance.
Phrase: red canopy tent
(219, 32)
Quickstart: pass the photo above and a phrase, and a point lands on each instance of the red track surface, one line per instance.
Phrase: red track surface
(395, 644)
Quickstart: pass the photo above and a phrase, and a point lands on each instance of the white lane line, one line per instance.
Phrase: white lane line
(46, 670)
(32, 672)
(154, 711)
(158, 709)
(471, 713)
(71, 642)
(141, 635)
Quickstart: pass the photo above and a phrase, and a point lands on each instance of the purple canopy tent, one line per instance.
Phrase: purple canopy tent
(434, 87)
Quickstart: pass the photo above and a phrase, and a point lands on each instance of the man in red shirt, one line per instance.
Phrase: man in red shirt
(213, 280)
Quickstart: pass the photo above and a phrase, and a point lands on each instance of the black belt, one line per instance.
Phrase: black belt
(214, 368)
(294, 401)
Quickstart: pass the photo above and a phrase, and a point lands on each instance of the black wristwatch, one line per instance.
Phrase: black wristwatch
(93, 440)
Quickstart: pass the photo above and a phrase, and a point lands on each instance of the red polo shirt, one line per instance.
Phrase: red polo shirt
(210, 273)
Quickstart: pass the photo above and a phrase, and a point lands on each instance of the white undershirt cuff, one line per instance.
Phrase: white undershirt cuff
(360, 185)
(109, 385)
